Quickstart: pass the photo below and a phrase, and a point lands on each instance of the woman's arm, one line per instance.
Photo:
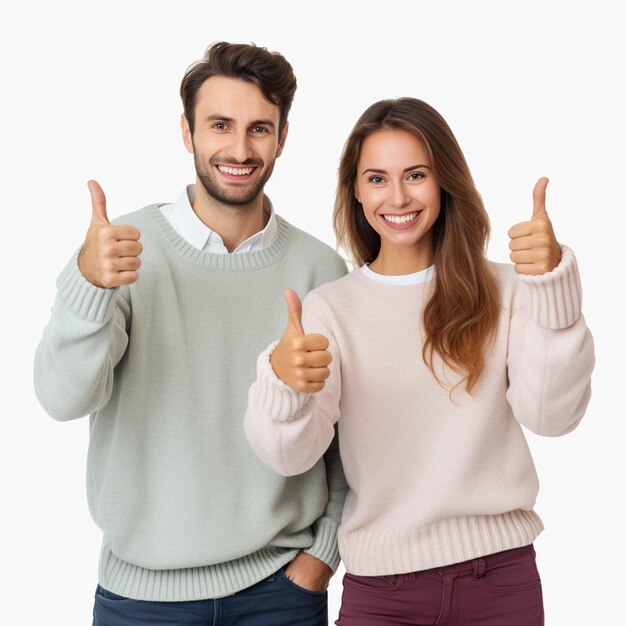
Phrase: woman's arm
(291, 429)
(551, 353)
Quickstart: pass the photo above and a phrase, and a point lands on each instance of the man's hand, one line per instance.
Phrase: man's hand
(534, 248)
(308, 572)
(301, 361)
(109, 256)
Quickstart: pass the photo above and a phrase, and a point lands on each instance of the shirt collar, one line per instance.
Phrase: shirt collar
(189, 226)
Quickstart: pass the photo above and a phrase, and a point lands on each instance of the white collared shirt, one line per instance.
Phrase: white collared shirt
(190, 227)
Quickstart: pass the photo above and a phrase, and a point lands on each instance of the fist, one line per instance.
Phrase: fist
(534, 248)
(110, 255)
(299, 360)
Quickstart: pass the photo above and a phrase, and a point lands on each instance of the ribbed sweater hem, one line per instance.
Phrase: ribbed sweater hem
(383, 552)
(556, 297)
(193, 583)
(94, 304)
(325, 546)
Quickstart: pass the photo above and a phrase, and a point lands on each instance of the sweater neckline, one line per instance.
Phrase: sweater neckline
(371, 281)
(416, 278)
(231, 261)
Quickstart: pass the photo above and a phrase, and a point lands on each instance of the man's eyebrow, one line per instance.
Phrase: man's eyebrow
(224, 118)
(406, 169)
(263, 123)
(221, 118)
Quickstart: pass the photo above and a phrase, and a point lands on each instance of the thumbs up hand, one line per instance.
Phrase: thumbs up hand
(299, 360)
(534, 248)
(109, 256)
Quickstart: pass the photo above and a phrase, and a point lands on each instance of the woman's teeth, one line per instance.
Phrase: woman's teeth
(400, 219)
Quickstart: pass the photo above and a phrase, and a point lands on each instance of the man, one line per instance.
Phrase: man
(161, 353)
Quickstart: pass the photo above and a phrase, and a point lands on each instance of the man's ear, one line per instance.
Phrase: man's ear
(283, 138)
(187, 139)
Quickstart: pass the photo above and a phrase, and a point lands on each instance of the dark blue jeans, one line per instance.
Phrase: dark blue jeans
(275, 601)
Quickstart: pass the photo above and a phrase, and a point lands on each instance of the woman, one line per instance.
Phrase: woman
(438, 356)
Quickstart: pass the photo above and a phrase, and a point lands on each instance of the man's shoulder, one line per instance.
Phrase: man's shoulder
(305, 243)
(140, 217)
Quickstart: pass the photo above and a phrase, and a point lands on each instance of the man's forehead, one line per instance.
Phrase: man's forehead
(234, 98)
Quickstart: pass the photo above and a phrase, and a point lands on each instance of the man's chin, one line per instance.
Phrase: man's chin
(230, 197)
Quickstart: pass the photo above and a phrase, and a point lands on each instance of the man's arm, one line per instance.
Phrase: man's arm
(81, 345)
(88, 330)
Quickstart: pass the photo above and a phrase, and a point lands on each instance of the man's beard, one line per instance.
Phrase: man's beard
(231, 196)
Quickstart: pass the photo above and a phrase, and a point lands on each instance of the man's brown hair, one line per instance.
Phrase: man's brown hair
(269, 71)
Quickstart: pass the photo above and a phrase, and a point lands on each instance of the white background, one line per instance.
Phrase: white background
(90, 90)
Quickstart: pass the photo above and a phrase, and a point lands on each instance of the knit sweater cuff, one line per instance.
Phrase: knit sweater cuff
(324, 546)
(556, 297)
(92, 303)
(273, 396)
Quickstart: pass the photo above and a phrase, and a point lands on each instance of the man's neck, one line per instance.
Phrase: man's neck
(234, 224)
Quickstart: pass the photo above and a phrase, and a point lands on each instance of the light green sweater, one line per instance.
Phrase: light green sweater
(163, 367)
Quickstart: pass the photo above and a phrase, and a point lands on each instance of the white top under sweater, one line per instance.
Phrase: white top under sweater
(435, 477)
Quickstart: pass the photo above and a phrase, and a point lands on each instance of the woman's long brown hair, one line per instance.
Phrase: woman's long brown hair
(461, 315)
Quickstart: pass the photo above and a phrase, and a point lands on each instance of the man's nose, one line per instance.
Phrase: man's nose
(241, 148)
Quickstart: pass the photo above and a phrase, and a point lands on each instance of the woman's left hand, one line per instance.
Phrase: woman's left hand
(534, 248)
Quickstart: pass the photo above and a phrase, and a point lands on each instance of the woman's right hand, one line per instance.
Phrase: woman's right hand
(299, 360)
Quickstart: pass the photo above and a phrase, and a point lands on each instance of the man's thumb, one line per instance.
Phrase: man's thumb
(98, 203)
(294, 309)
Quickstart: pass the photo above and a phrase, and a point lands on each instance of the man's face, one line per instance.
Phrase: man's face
(235, 141)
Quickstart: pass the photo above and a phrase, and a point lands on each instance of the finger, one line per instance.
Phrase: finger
(319, 358)
(124, 232)
(522, 243)
(98, 203)
(128, 248)
(305, 387)
(125, 264)
(523, 229)
(314, 374)
(314, 342)
(523, 256)
(126, 278)
(539, 197)
(294, 311)
(110, 280)
(529, 269)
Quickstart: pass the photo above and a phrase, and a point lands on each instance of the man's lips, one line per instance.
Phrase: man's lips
(239, 173)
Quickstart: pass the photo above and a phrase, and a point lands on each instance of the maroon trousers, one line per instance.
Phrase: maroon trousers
(502, 589)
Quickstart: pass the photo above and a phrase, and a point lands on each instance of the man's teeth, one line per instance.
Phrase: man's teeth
(235, 171)
(400, 219)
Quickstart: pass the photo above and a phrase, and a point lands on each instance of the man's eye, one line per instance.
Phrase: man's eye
(219, 126)
(259, 130)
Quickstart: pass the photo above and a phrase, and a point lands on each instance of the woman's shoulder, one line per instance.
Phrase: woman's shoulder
(340, 289)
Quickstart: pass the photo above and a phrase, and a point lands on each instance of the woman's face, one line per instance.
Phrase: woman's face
(398, 190)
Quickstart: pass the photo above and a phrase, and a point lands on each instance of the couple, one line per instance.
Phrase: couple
(423, 362)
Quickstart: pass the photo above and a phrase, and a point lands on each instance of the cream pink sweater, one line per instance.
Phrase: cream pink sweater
(435, 478)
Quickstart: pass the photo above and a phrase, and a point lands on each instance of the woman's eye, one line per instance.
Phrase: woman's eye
(416, 176)
(376, 179)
